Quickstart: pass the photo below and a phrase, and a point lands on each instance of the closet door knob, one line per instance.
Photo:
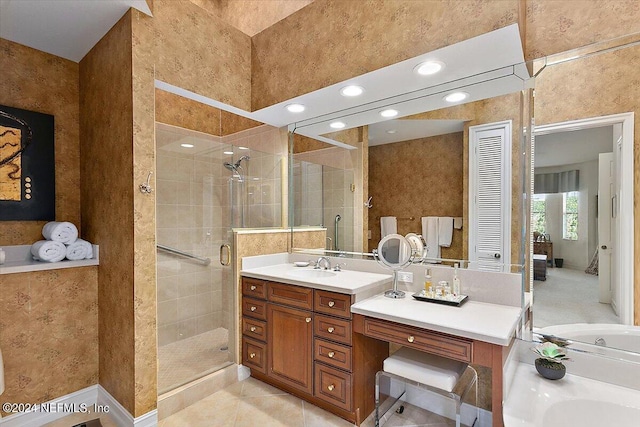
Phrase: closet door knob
(330, 330)
(411, 338)
(331, 303)
(308, 319)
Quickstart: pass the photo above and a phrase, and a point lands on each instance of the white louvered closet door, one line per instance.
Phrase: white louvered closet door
(490, 196)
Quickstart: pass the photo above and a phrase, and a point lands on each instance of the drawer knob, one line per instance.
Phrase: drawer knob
(252, 355)
(331, 354)
(252, 329)
(308, 319)
(253, 308)
(330, 387)
(411, 338)
(330, 330)
(253, 287)
(331, 303)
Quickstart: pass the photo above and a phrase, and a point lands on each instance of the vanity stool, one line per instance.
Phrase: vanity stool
(437, 374)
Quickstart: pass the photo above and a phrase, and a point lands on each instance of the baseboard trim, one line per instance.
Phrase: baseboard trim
(79, 401)
(54, 409)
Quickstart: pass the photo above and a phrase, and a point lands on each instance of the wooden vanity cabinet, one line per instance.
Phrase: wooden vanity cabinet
(308, 347)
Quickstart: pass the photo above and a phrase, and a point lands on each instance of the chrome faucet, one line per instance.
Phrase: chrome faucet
(323, 262)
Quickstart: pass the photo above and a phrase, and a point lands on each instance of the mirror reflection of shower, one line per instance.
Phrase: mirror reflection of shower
(237, 192)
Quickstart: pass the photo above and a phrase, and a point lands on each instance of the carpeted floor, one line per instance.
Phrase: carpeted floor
(569, 296)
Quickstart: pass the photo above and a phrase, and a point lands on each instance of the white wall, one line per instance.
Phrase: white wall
(576, 253)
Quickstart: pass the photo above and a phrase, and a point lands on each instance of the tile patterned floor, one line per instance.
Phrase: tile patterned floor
(186, 360)
(252, 403)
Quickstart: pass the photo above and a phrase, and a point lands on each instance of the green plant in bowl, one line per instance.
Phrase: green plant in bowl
(549, 363)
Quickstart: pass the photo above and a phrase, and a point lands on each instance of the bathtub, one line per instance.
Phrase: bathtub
(622, 337)
(571, 401)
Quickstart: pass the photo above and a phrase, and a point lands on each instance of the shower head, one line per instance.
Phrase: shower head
(237, 164)
(231, 167)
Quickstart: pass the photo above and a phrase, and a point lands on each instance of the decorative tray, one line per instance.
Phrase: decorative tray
(454, 301)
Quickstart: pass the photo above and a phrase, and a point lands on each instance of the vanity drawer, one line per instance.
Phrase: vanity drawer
(332, 303)
(254, 288)
(431, 342)
(332, 353)
(254, 328)
(295, 296)
(254, 308)
(333, 386)
(332, 329)
(254, 354)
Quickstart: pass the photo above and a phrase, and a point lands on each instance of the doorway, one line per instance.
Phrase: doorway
(569, 218)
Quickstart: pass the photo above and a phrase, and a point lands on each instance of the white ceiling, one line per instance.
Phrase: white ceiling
(65, 28)
(407, 130)
(576, 146)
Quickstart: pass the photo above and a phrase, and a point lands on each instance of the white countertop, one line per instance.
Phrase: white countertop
(345, 281)
(492, 323)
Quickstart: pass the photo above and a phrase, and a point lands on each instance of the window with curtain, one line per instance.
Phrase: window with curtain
(539, 213)
(570, 215)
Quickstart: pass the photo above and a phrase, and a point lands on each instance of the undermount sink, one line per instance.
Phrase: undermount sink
(311, 274)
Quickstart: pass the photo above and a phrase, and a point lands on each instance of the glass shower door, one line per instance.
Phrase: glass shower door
(197, 198)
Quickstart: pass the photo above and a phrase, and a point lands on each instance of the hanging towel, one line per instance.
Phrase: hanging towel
(430, 236)
(388, 225)
(457, 223)
(445, 231)
(63, 232)
(80, 249)
(49, 251)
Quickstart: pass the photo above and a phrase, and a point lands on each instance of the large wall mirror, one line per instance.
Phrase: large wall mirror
(583, 194)
(398, 164)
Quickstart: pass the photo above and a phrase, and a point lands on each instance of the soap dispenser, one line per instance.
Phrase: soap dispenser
(427, 282)
(456, 281)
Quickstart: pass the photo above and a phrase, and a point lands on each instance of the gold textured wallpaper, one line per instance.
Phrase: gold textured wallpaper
(37, 81)
(417, 178)
(199, 52)
(49, 333)
(107, 200)
(329, 41)
(595, 86)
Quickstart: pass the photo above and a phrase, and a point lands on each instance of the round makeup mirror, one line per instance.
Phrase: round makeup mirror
(394, 253)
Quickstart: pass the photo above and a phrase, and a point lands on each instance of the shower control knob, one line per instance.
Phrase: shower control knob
(253, 308)
(411, 338)
(331, 354)
(331, 303)
(253, 329)
(330, 330)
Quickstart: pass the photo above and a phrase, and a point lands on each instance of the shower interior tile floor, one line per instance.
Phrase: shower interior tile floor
(186, 360)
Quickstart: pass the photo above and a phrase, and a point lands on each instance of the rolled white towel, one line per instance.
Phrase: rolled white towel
(80, 249)
(47, 250)
(63, 232)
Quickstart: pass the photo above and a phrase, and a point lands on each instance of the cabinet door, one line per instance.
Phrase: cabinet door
(290, 344)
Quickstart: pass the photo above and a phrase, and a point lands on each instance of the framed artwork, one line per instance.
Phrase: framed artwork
(27, 166)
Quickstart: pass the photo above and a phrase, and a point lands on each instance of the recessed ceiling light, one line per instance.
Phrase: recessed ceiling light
(228, 152)
(337, 125)
(456, 96)
(391, 131)
(428, 68)
(351, 90)
(242, 148)
(186, 145)
(295, 108)
(389, 113)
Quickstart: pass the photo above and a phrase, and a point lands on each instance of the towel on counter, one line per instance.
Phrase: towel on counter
(388, 225)
(445, 231)
(48, 250)
(80, 249)
(430, 236)
(63, 232)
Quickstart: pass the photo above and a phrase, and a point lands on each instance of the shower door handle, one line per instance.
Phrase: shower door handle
(222, 258)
